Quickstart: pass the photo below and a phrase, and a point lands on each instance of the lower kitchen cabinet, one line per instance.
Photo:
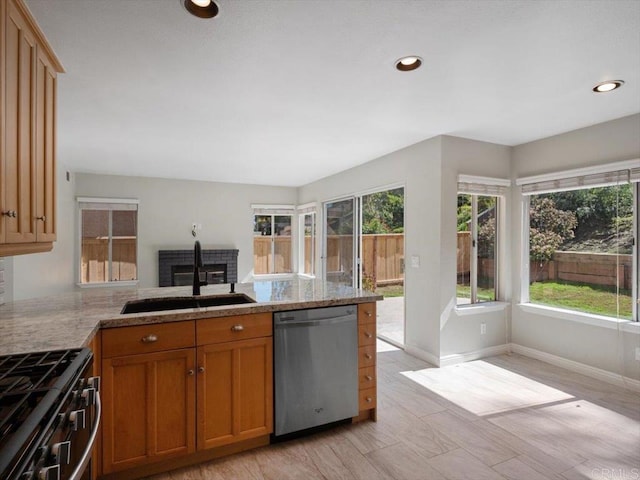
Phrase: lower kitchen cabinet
(235, 391)
(169, 393)
(149, 412)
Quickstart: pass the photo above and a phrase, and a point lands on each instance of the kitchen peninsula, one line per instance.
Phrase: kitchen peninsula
(185, 386)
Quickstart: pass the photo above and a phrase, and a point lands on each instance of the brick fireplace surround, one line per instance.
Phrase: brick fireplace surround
(169, 258)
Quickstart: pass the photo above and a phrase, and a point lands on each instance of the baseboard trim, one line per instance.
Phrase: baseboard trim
(475, 355)
(422, 355)
(577, 367)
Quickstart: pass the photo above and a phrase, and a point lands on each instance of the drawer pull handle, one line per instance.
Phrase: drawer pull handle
(368, 356)
(368, 335)
(368, 378)
(191, 372)
(237, 328)
(369, 399)
(149, 338)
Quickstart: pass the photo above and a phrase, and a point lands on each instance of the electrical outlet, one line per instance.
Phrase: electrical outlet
(638, 353)
(483, 328)
(415, 261)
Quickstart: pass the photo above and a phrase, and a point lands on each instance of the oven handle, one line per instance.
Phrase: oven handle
(86, 455)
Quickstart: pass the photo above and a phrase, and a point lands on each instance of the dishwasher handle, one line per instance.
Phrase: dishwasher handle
(287, 322)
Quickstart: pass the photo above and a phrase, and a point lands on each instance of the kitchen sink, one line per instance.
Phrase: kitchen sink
(177, 303)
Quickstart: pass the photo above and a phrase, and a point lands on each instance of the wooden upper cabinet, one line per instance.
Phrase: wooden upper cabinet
(28, 71)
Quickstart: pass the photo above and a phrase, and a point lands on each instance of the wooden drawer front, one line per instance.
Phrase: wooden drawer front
(366, 313)
(366, 378)
(366, 356)
(228, 329)
(147, 338)
(367, 399)
(366, 334)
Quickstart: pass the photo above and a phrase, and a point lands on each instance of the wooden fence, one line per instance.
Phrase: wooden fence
(579, 267)
(95, 259)
(382, 256)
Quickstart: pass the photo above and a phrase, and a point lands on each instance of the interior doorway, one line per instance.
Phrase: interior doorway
(363, 247)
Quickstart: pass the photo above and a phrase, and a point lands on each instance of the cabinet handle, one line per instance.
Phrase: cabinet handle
(42, 218)
(10, 213)
(149, 338)
(237, 328)
(200, 369)
(368, 378)
(368, 335)
(368, 314)
(369, 399)
(368, 356)
(191, 372)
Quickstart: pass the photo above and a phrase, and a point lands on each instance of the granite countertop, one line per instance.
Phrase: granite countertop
(71, 320)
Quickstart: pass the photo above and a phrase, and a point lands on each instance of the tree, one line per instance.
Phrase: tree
(549, 227)
(383, 212)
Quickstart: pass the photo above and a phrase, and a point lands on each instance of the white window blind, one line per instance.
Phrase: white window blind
(273, 209)
(92, 203)
(577, 180)
(306, 208)
(483, 185)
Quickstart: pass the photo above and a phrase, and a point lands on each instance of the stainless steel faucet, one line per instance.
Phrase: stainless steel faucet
(197, 264)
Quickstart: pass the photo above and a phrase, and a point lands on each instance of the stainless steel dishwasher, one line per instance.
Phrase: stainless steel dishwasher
(315, 367)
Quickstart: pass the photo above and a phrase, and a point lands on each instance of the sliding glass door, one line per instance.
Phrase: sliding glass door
(340, 237)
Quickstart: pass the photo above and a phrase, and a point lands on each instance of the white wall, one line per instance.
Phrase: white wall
(168, 208)
(597, 346)
(429, 170)
(417, 168)
(460, 333)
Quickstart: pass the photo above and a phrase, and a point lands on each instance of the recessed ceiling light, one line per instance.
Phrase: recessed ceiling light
(608, 86)
(408, 63)
(201, 8)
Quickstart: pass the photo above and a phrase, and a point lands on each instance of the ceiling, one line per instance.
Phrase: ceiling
(284, 92)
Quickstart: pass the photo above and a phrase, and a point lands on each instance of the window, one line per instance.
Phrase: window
(272, 247)
(478, 216)
(307, 243)
(108, 239)
(581, 240)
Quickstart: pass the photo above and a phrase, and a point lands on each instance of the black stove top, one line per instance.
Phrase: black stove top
(32, 388)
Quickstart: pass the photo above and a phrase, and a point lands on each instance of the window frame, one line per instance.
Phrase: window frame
(475, 187)
(274, 211)
(110, 205)
(578, 179)
(303, 212)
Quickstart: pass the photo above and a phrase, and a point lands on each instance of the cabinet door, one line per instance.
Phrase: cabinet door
(18, 164)
(45, 166)
(149, 410)
(235, 391)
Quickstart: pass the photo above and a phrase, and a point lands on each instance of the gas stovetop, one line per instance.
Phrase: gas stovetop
(32, 388)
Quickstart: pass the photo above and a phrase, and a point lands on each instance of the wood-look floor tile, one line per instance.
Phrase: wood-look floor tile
(542, 432)
(515, 469)
(486, 448)
(461, 465)
(401, 463)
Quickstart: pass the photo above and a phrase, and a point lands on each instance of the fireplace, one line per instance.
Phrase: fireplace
(175, 267)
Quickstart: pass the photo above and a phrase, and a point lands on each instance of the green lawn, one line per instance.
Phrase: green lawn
(484, 294)
(584, 298)
(391, 291)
